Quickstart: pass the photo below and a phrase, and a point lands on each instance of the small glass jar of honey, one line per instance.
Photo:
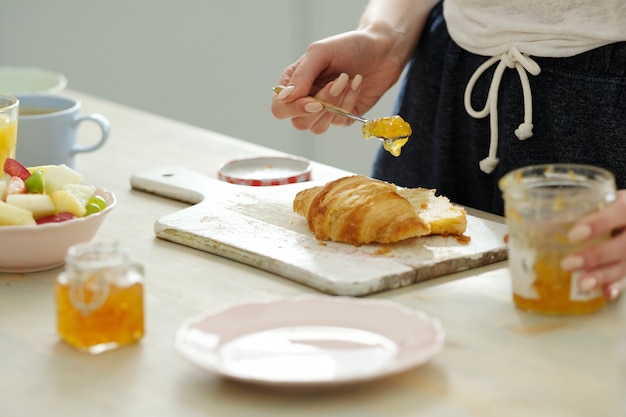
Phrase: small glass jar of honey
(99, 298)
(541, 204)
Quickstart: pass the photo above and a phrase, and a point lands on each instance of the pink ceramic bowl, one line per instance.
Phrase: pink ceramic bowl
(42, 247)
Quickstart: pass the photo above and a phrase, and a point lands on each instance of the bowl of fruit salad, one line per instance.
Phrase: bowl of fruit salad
(43, 211)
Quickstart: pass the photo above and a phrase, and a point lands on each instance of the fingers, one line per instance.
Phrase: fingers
(349, 101)
(286, 106)
(602, 264)
(614, 289)
(609, 278)
(304, 73)
(306, 113)
(285, 92)
(333, 94)
(613, 217)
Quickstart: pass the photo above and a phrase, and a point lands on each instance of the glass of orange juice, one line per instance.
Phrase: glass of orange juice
(541, 204)
(8, 127)
(99, 298)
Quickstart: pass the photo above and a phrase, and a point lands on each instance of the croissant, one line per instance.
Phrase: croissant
(359, 210)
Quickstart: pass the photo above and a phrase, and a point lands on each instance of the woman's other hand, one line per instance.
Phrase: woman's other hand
(603, 265)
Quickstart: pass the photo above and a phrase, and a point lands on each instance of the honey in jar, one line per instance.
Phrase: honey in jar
(542, 203)
(99, 298)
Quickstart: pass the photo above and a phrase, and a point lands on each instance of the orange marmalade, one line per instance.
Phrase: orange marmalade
(555, 289)
(393, 130)
(542, 203)
(117, 321)
(99, 299)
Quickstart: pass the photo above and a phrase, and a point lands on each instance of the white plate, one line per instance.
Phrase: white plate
(264, 171)
(310, 341)
(25, 80)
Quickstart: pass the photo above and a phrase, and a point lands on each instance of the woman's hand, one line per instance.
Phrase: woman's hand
(352, 71)
(602, 265)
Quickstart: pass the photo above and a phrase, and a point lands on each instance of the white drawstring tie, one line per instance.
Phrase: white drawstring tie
(512, 58)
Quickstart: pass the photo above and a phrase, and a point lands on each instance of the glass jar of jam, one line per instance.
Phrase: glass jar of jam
(99, 298)
(541, 204)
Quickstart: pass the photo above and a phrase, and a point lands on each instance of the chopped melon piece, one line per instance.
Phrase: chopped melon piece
(66, 201)
(73, 198)
(42, 168)
(15, 216)
(40, 205)
(56, 177)
(82, 191)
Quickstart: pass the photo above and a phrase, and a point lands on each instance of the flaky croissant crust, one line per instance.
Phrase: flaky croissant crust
(359, 210)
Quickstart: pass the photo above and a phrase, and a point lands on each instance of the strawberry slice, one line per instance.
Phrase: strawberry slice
(16, 169)
(56, 218)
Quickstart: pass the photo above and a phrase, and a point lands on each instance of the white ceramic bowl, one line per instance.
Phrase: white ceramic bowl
(44, 246)
(25, 80)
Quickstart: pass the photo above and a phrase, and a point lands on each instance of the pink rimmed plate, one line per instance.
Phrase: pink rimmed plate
(310, 341)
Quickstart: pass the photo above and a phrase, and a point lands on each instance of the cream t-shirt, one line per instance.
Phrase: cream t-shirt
(546, 28)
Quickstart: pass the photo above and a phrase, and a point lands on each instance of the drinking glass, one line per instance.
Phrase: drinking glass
(8, 127)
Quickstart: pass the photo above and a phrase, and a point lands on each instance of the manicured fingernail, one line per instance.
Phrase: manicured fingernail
(313, 107)
(613, 291)
(339, 85)
(579, 233)
(572, 262)
(356, 82)
(588, 284)
(286, 92)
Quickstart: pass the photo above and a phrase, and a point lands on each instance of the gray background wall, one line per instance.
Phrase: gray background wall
(210, 63)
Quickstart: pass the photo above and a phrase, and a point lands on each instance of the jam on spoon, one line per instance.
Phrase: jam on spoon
(393, 130)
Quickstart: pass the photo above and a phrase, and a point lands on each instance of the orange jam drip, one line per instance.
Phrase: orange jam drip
(393, 130)
(117, 321)
(553, 285)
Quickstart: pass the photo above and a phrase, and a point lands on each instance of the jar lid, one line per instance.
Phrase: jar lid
(266, 171)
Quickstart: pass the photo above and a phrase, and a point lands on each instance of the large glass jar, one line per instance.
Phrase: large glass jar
(99, 298)
(542, 203)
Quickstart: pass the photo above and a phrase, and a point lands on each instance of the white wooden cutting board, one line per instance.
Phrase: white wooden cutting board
(256, 226)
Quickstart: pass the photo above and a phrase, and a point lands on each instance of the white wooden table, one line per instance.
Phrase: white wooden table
(497, 362)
